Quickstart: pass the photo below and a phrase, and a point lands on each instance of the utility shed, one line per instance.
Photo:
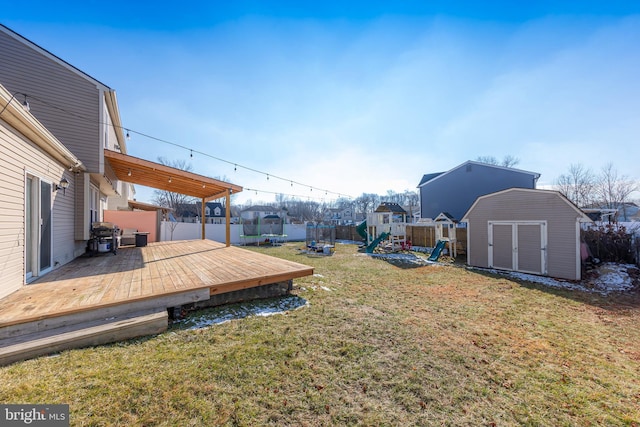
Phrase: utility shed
(526, 230)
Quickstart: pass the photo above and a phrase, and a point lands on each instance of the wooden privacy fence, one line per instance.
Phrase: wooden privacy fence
(347, 232)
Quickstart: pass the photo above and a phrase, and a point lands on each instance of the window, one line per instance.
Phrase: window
(94, 205)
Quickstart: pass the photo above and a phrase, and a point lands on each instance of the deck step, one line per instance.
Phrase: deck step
(97, 332)
(99, 313)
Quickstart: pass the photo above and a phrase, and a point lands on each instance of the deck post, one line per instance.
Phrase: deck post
(203, 219)
(227, 214)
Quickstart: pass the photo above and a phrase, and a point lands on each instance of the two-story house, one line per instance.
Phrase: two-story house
(454, 191)
(64, 161)
(81, 112)
(340, 216)
(214, 212)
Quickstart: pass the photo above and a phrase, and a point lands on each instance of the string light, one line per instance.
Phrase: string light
(279, 193)
(191, 150)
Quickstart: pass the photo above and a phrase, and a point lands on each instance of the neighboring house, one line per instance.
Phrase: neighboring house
(531, 231)
(214, 212)
(623, 212)
(339, 216)
(36, 213)
(255, 212)
(455, 191)
(82, 113)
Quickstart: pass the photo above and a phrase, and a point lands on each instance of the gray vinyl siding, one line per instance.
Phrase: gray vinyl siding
(523, 205)
(64, 101)
(19, 157)
(455, 191)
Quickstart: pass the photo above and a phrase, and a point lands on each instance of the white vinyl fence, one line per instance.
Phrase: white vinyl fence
(189, 231)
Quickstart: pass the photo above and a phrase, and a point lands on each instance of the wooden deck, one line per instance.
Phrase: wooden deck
(157, 271)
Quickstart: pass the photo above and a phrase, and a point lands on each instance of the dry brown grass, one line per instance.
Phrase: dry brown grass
(435, 345)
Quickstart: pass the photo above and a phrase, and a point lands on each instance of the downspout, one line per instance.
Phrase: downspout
(227, 214)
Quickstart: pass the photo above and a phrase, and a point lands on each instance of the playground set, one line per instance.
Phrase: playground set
(386, 228)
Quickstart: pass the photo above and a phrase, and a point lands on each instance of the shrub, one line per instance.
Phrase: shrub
(610, 243)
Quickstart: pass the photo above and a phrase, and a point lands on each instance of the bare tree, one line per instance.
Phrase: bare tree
(367, 202)
(613, 190)
(508, 161)
(577, 185)
(167, 199)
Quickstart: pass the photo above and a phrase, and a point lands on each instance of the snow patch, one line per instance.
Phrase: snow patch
(219, 315)
(609, 278)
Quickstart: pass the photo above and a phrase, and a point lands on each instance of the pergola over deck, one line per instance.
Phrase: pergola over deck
(135, 170)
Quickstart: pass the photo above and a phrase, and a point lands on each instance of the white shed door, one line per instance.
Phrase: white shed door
(518, 246)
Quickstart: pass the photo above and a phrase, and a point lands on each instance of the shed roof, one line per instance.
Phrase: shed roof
(134, 204)
(582, 217)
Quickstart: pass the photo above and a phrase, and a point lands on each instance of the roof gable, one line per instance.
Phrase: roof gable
(470, 163)
(581, 215)
(390, 207)
(52, 57)
(428, 177)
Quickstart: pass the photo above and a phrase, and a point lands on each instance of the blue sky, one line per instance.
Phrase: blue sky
(356, 97)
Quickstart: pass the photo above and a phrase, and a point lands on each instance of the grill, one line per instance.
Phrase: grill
(103, 238)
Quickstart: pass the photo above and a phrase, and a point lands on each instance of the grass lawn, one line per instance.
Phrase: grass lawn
(377, 345)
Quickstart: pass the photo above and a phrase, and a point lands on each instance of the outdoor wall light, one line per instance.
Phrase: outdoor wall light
(64, 184)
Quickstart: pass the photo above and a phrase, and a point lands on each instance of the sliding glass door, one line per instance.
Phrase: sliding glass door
(38, 227)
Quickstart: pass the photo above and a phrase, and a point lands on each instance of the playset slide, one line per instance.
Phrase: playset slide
(376, 242)
(437, 251)
(361, 229)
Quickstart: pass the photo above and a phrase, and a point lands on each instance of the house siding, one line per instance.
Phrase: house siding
(70, 109)
(455, 191)
(525, 205)
(21, 157)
